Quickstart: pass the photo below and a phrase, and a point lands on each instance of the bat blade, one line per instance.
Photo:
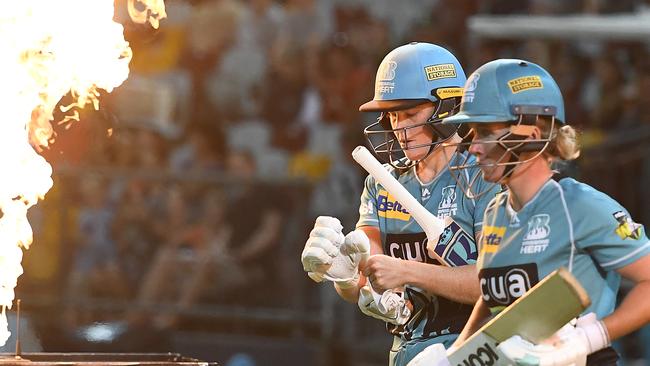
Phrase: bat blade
(537, 315)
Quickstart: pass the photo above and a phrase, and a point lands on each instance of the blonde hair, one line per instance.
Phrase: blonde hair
(563, 143)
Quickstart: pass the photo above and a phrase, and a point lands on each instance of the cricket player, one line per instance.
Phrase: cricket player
(516, 112)
(422, 301)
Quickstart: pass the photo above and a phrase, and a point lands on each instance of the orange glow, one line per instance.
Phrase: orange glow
(49, 48)
(142, 11)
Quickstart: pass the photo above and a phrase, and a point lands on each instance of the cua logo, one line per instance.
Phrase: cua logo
(411, 247)
(502, 286)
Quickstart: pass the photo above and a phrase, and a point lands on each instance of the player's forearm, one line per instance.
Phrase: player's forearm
(455, 283)
(351, 294)
(633, 313)
(479, 314)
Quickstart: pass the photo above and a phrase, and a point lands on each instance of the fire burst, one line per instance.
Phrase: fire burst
(49, 49)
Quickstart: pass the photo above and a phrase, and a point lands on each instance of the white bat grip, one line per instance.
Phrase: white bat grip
(431, 225)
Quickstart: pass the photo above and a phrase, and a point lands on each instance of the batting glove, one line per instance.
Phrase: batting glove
(389, 307)
(328, 255)
(572, 346)
(434, 355)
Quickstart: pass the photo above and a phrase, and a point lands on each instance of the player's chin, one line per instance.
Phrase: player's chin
(415, 154)
(492, 173)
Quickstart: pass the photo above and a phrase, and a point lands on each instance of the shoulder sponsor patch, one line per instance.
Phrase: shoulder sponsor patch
(626, 227)
(525, 83)
(441, 71)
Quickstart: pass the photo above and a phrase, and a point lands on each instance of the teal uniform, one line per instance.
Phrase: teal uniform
(434, 319)
(566, 224)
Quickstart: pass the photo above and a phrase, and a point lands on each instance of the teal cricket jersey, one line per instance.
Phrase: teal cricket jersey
(566, 224)
(403, 238)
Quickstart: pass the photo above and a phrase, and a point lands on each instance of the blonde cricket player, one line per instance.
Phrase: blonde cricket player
(516, 112)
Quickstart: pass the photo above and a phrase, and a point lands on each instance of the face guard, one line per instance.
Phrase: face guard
(506, 147)
(383, 139)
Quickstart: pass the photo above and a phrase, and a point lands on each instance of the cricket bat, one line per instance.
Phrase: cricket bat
(537, 315)
(432, 225)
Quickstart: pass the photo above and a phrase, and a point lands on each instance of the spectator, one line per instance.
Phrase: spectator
(95, 271)
(176, 232)
(255, 215)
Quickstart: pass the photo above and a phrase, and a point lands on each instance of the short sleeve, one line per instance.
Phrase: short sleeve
(368, 206)
(607, 232)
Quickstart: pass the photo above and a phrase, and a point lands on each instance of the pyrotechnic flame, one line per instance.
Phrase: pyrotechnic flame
(142, 11)
(49, 48)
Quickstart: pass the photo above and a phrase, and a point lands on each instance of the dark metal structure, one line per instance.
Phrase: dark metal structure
(96, 359)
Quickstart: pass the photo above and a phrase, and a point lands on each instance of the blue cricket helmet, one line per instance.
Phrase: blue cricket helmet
(415, 73)
(503, 90)
(411, 75)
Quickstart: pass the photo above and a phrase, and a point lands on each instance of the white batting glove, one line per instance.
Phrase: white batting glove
(571, 347)
(521, 352)
(389, 307)
(434, 355)
(592, 332)
(328, 255)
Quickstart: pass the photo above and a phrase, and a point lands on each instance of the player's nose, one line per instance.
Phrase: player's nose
(476, 148)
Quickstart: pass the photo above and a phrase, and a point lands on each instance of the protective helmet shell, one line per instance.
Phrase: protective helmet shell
(409, 75)
(496, 92)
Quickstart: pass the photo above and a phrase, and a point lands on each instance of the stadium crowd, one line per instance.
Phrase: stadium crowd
(234, 131)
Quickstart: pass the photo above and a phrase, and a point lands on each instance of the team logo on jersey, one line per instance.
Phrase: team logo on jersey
(412, 247)
(388, 207)
(492, 236)
(472, 83)
(626, 227)
(501, 286)
(447, 206)
(536, 238)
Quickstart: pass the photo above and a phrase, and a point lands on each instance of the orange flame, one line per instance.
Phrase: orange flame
(49, 48)
(149, 10)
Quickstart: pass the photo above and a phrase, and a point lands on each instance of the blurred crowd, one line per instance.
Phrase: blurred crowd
(235, 129)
